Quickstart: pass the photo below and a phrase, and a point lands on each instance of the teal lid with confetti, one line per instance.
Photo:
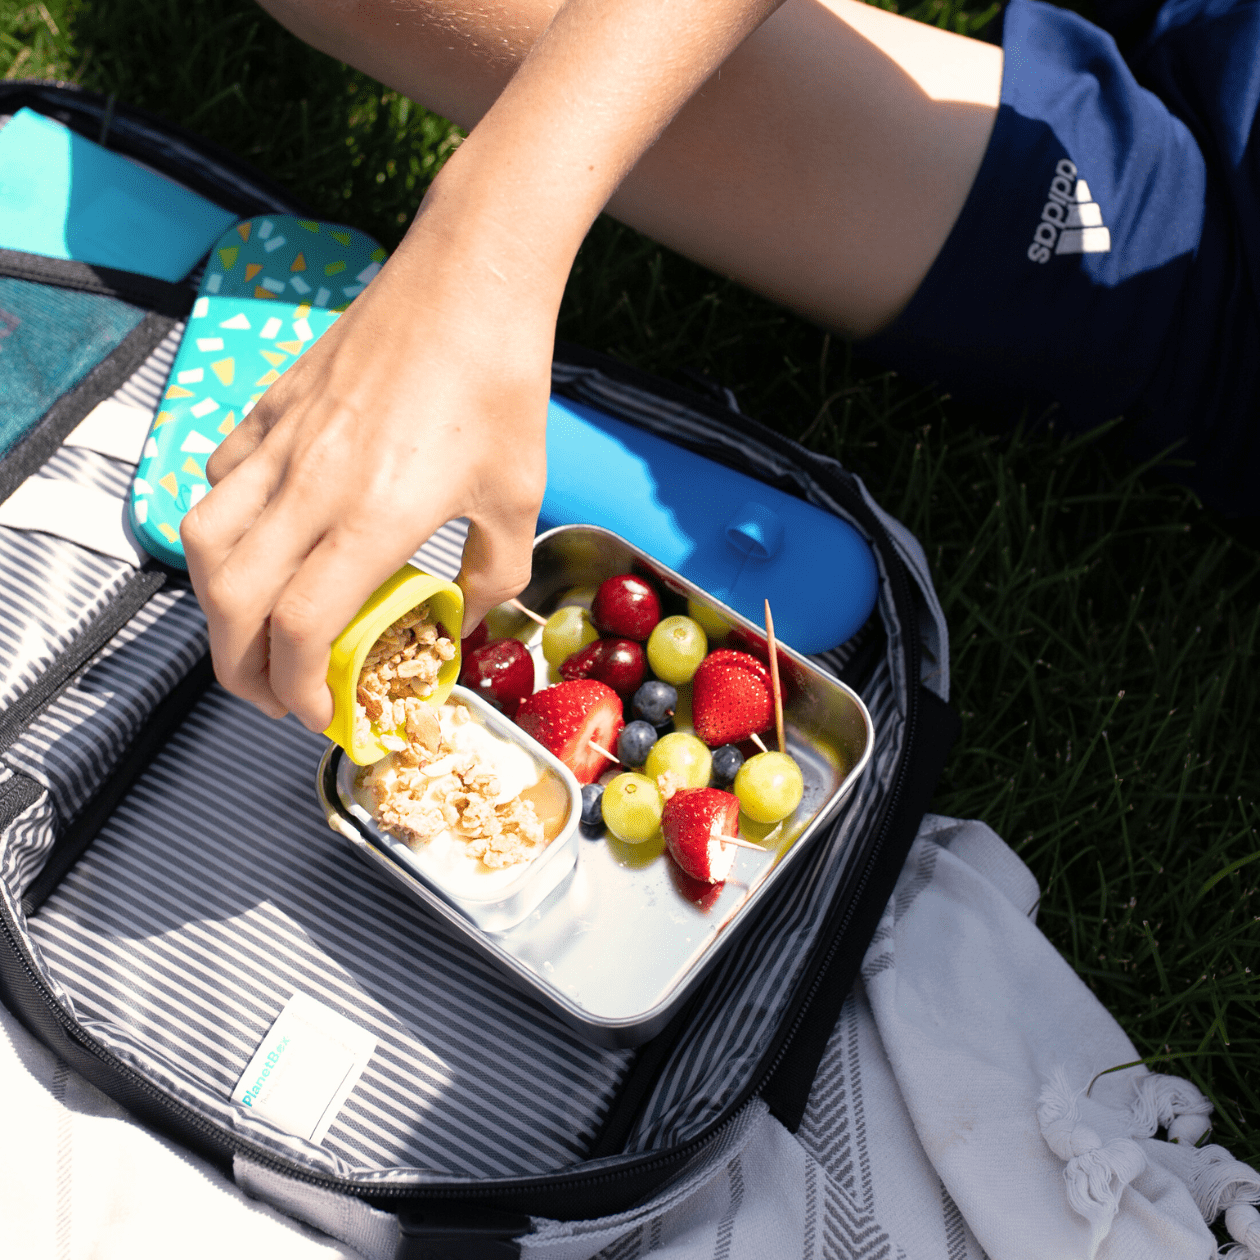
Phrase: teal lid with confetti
(271, 287)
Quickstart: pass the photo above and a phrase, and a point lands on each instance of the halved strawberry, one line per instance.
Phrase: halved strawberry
(693, 821)
(731, 697)
(566, 718)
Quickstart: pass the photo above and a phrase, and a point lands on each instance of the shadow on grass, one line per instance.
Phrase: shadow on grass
(354, 151)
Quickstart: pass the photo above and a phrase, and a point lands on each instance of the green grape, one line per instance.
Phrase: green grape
(632, 808)
(711, 621)
(769, 786)
(686, 756)
(675, 649)
(568, 630)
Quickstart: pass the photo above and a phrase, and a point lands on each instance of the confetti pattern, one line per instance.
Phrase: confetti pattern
(272, 286)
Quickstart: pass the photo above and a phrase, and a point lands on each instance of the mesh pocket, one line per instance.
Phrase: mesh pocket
(49, 340)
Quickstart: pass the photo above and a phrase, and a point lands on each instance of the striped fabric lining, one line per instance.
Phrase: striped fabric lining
(51, 589)
(72, 745)
(89, 468)
(145, 387)
(26, 843)
(444, 552)
(195, 948)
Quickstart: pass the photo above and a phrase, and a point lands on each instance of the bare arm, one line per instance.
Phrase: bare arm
(427, 400)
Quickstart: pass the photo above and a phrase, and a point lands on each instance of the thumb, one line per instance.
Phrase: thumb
(498, 557)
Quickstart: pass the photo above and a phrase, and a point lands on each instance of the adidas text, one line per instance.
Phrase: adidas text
(1071, 220)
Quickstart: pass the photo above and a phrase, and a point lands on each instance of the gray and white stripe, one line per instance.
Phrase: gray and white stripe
(194, 949)
(147, 384)
(74, 742)
(51, 589)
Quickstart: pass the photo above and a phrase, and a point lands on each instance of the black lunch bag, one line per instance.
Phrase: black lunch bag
(166, 877)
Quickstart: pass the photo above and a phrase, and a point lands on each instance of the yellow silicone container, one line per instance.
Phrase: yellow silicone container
(394, 597)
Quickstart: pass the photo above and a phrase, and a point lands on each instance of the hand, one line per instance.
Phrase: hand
(426, 401)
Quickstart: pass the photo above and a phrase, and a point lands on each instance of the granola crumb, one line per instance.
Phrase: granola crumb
(437, 784)
(401, 667)
(669, 782)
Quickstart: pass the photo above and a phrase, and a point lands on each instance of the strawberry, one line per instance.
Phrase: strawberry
(731, 697)
(693, 820)
(566, 717)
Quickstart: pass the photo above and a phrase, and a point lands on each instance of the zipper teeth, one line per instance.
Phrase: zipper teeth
(671, 1157)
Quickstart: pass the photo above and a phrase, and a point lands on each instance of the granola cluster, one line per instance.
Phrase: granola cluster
(432, 786)
(400, 672)
(670, 782)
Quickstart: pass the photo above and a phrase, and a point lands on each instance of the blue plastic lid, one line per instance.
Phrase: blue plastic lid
(740, 539)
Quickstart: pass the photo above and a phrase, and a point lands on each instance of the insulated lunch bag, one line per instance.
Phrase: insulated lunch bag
(168, 883)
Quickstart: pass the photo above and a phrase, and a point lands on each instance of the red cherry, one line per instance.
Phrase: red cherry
(618, 663)
(501, 672)
(477, 637)
(626, 606)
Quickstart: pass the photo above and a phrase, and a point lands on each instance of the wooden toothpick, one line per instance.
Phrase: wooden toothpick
(774, 678)
(756, 739)
(603, 752)
(738, 842)
(529, 612)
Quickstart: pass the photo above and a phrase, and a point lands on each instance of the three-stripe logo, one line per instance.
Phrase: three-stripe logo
(1071, 220)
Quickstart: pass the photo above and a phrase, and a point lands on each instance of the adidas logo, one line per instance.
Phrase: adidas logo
(1071, 220)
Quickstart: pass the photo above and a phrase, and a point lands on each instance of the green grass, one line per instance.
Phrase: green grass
(1105, 629)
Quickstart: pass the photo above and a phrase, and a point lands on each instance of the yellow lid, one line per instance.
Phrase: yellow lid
(399, 594)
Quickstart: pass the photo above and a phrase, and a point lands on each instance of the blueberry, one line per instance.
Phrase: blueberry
(655, 702)
(635, 742)
(592, 805)
(726, 763)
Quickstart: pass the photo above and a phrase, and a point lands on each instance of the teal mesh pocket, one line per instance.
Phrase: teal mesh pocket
(49, 340)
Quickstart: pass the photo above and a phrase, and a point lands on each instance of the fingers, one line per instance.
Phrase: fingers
(316, 605)
(237, 447)
(235, 604)
(248, 435)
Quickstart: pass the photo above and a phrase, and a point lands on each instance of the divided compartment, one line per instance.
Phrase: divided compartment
(505, 896)
(619, 944)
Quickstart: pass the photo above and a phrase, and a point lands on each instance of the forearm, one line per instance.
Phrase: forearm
(597, 88)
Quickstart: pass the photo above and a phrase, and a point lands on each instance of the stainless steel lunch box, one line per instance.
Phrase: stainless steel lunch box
(621, 938)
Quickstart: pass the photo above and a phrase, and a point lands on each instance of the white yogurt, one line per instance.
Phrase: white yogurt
(444, 858)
